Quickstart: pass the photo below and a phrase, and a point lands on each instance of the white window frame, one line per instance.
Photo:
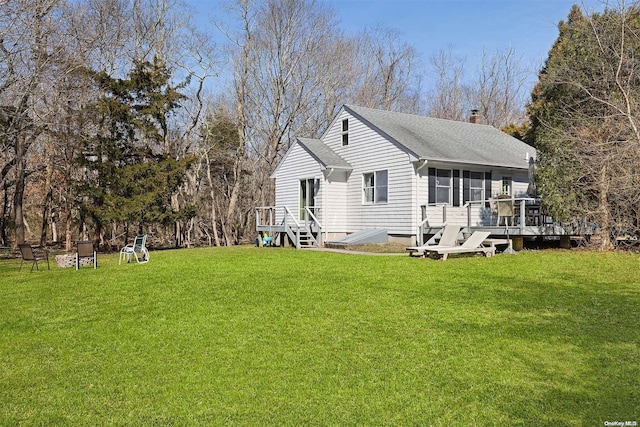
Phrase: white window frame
(448, 187)
(375, 190)
(509, 187)
(472, 188)
(345, 132)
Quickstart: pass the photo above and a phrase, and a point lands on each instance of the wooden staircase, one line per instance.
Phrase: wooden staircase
(306, 240)
(302, 237)
(302, 233)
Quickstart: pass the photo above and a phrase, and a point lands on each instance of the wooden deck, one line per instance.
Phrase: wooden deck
(526, 220)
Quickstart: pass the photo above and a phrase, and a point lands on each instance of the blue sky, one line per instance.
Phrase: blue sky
(465, 26)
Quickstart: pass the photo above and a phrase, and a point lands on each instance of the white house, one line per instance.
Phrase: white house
(374, 169)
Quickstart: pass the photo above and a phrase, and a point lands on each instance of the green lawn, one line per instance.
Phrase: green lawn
(268, 336)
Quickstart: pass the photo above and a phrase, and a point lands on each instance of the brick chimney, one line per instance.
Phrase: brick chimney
(475, 117)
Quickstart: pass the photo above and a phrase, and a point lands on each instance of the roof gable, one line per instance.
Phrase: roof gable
(320, 152)
(323, 154)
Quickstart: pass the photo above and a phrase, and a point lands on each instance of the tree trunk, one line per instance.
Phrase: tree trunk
(603, 209)
(46, 209)
(4, 223)
(212, 195)
(18, 195)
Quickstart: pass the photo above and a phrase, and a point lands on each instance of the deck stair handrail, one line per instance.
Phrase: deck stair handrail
(424, 225)
(288, 222)
(422, 229)
(300, 233)
(310, 221)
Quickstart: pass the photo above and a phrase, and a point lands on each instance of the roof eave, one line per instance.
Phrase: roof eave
(467, 162)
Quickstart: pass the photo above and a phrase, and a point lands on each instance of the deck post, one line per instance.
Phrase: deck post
(257, 218)
(423, 212)
(522, 215)
(517, 243)
(469, 216)
(444, 213)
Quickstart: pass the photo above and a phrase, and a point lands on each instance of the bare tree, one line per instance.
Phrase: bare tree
(585, 112)
(498, 88)
(31, 47)
(446, 99)
(386, 72)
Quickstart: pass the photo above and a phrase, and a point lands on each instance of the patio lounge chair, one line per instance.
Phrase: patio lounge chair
(86, 250)
(137, 249)
(29, 253)
(448, 239)
(472, 245)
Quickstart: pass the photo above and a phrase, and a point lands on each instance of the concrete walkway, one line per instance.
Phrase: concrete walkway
(346, 251)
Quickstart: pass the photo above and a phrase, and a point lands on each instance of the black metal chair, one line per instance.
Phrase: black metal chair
(85, 250)
(29, 253)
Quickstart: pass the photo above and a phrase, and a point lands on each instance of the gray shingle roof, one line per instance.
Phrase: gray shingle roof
(448, 140)
(325, 155)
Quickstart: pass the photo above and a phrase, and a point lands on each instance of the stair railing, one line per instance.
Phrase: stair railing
(288, 220)
(310, 220)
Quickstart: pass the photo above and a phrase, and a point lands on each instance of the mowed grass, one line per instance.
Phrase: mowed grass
(269, 336)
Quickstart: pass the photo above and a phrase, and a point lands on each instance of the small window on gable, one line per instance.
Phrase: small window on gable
(345, 132)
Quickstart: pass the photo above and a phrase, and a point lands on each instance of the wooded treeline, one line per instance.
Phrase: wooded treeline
(585, 115)
(121, 116)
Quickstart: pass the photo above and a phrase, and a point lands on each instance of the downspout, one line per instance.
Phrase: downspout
(324, 205)
(423, 163)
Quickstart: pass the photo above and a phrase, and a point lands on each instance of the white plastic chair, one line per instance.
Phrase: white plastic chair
(137, 249)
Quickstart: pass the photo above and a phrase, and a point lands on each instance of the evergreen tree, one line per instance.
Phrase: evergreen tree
(129, 173)
(584, 114)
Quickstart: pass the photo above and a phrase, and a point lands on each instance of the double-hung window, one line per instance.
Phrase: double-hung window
(374, 185)
(440, 185)
(443, 186)
(507, 185)
(476, 186)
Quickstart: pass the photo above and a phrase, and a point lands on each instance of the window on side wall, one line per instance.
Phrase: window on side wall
(375, 187)
(440, 186)
(476, 190)
(476, 186)
(345, 132)
(507, 185)
(443, 186)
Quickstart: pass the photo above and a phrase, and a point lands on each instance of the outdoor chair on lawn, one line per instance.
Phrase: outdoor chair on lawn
(137, 249)
(448, 238)
(29, 253)
(474, 244)
(85, 250)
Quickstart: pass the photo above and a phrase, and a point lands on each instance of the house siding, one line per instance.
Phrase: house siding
(367, 152)
(296, 166)
(333, 201)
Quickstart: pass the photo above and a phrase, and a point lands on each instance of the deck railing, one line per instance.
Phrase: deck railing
(281, 219)
(526, 211)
